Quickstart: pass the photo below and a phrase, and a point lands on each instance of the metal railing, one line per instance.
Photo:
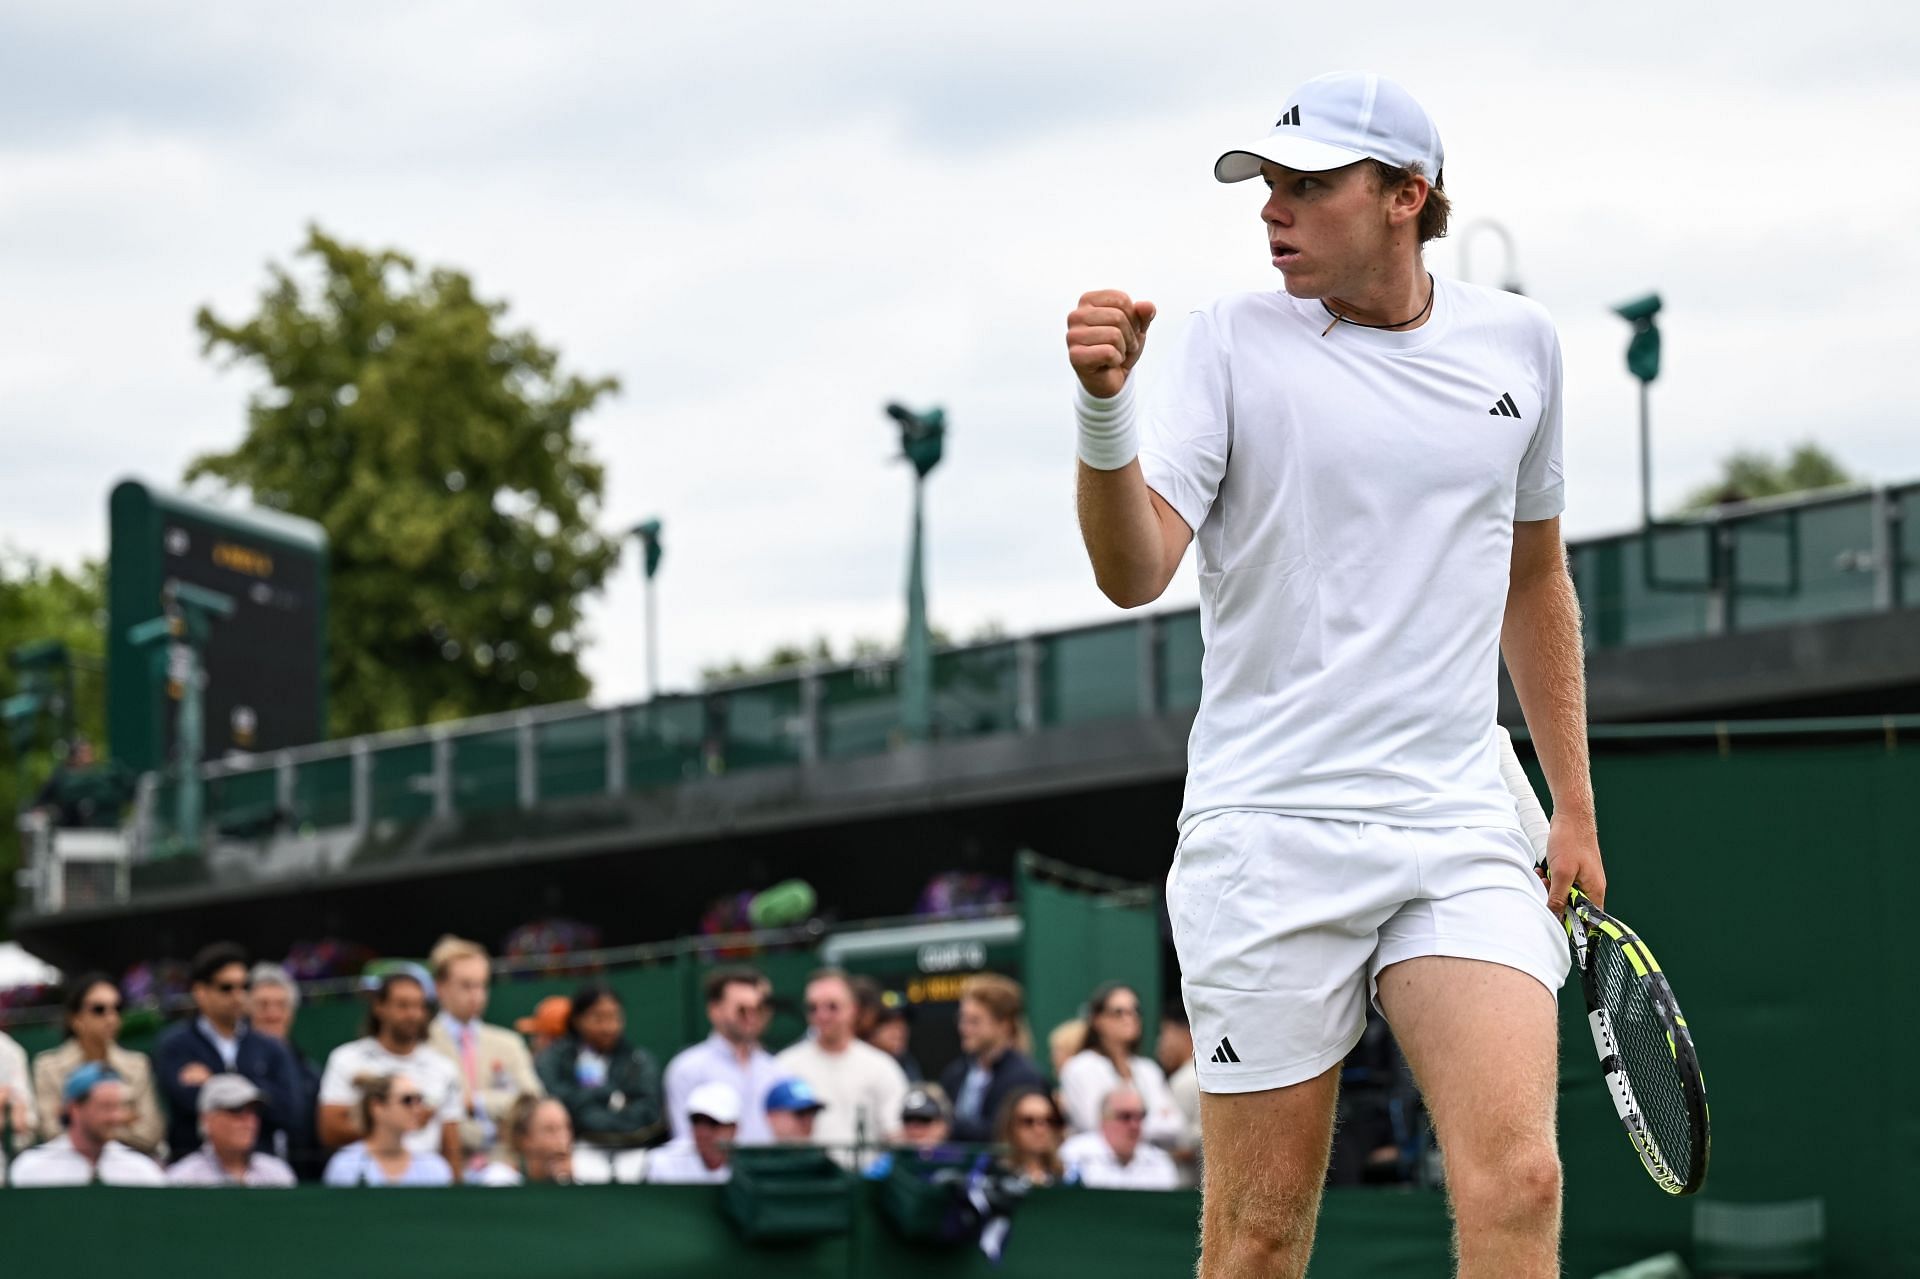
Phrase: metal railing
(1758, 564)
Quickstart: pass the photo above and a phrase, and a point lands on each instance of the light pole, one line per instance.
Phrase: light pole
(922, 439)
(1643, 361)
(1512, 284)
(648, 532)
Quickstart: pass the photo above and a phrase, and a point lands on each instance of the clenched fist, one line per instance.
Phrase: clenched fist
(1105, 335)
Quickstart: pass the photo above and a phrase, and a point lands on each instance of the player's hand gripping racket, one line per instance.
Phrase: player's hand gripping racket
(1645, 1048)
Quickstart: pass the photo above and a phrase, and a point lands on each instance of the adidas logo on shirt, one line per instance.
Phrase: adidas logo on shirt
(1292, 116)
(1504, 407)
(1224, 1053)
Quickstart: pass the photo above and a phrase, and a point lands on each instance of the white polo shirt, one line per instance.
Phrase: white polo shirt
(1091, 1161)
(1354, 555)
(57, 1163)
(437, 1078)
(678, 1164)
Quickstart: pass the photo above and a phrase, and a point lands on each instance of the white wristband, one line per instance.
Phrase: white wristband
(1108, 440)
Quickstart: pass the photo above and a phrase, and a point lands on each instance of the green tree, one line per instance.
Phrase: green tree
(1749, 473)
(790, 658)
(41, 603)
(437, 448)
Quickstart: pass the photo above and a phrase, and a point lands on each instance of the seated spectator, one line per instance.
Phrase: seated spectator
(93, 1007)
(273, 1000)
(93, 1106)
(494, 1066)
(1029, 1131)
(1064, 1040)
(611, 1088)
(993, 1062)
(861, 1086)
(1175, 1051)
(739, 1002)
(926, 1121)
(394, 1045)
(791, 1107)
(219, 1041)
(1117, 1157)
(392, 1109)
(17, 1123)
(547, 1025)
(230, 1121)
(700, 1158)
(892, 1034)
(1110, 1056)
(536, 1145)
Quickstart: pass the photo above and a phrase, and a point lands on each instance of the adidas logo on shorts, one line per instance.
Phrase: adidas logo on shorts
(1224, 1053)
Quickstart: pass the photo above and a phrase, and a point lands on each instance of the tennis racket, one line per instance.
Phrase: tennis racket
(1646, 1050)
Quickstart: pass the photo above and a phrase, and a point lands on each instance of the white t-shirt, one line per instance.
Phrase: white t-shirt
(203, 1168)
(861, 1088)
(1354, 556)
(678, 1164)
(57, 1163)
(1088, 1077)
(438, 1080)
(1091, 1161)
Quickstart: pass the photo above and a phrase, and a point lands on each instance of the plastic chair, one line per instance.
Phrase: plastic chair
(1786, 1238)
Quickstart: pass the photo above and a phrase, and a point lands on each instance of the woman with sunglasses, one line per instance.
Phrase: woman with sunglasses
(1029, 1132)
(1109, 1056)
(391, 1106)
(93, 1007)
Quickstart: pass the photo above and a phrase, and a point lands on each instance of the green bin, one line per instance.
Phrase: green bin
(781, 1192)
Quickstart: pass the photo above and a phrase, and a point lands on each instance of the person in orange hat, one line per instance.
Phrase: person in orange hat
(548, 1023)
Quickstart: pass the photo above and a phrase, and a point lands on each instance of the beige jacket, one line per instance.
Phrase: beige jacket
(505, 1071)
(147, 1130)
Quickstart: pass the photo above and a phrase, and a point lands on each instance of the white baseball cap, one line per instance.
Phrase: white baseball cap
(1335, 119)
(716, 1101)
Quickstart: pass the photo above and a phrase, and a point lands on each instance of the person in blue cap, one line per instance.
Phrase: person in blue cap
(791, 1107)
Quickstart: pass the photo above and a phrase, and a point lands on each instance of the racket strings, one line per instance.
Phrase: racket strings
(1646, 1056)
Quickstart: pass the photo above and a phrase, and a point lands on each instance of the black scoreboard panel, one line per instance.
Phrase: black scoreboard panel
(265, 666)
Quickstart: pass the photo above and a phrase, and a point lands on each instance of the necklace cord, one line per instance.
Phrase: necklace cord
(1341, 319)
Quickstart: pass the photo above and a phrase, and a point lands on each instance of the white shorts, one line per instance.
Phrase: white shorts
(1283, 924)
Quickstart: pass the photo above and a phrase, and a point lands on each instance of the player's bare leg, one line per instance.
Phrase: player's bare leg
(1483, 1041)
(1266, 1159)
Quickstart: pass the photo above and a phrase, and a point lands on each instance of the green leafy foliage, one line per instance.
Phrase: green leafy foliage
(42, 603)
(437, 448)
(1749, 474)
(791, 658)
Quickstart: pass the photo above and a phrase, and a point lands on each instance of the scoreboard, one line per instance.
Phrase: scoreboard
(264, 667)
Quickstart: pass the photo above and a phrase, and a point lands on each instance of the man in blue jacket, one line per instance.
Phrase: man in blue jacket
(219, 1041)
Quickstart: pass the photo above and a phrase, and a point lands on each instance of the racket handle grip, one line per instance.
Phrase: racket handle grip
(1533, 818)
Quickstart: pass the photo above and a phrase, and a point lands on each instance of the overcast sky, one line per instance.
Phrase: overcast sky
(768, 220)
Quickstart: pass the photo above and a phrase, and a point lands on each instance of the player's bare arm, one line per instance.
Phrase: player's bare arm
(1134, 539)
(1540, 638)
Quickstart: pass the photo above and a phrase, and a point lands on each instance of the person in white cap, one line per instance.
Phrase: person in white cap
(1369, 460)
(230, 1121)
(700, 1157)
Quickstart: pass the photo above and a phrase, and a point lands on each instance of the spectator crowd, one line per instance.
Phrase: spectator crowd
(433, 1094)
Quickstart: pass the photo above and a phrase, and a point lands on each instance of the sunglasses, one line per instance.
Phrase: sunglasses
(911, 1120)
(238, 1111)
(1036, 1121)
(104, 1010)
(233, 987)
(1130, 1116)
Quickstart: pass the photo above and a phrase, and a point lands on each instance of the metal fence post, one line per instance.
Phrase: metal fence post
(527, 764)
(442, 776)
(1026, 697)
(1149, 664)
(362, 787)
(615, 721)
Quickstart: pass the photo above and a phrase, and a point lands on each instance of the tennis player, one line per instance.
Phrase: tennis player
(1369, 459)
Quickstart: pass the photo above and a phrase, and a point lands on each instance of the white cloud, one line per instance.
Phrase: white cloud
(769, 222)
